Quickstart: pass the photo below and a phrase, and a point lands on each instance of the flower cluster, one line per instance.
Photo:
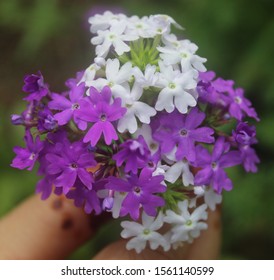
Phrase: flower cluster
(142, 133)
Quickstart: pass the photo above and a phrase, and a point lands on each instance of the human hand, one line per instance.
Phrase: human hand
(53, 229)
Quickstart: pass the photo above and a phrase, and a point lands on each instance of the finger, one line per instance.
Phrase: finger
(207, 246)
(38, 229)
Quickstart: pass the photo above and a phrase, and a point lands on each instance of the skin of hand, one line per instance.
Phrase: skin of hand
(53, 229)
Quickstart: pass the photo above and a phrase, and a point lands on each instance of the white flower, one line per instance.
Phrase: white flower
(170, 40)
(147, 79)
(139, 27)
(113, 37)
(211, 198)
(135, 109)
(160, 24)
(180, 168)
(145, 232)
(116, 78)
(183, 53)
(104, 21)
(145, 131)
(186, 226)
(174, 86)
(89, 74)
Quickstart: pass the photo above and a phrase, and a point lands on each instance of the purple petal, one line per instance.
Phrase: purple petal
(194, 118)
(221, 181)
(59, 102)
(203, 176)
(85, 177)
(202, 134)
(230, 159)
(66, 180)
(63, 117)
(109, 133)
(130, 205)
(93, 134)
(117, 184)
(218, 149)
(77, 92)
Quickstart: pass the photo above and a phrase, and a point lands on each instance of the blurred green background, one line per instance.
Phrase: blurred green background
(237, 38)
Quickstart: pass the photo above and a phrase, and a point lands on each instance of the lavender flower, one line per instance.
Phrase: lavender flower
(35, 87)
(241, 106)
(245, 134)
(102, 114)
(26, 157)
(134, 152)
(212, 166)
(69, 107)
(141, 191)
(46, 120)
(71, 164)
(183, 131)
(87, 198)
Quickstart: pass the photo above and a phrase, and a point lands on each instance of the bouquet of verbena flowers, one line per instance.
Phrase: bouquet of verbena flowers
(142, 133)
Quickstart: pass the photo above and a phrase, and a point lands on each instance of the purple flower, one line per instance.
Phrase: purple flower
(240, 106)
(141, 191)
(245, 134)
(35, 87)
(213, 91)
(108, 203)
(204, 86)
(72, 82)
(70, 163)
(249, 158)
(26, 157)
(183, 131)
(17, 119)
(87, 198)
(212, 165)
(102, 114)
(28, 117)
(46, 120)
(69, 107)
(45, 187)
(134, 152)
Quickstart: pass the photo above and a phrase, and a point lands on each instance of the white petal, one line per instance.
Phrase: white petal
(136, 243)
(184, 100)
(131, 229)
(127, 122)
(174, 172)
(144, 112)
(165, 101)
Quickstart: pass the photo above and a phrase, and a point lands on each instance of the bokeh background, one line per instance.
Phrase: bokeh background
(237, 38)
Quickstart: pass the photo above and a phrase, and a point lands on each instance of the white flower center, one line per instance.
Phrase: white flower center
(32, 156)
(137, 190)
(183, 132)
(112, 36)
(214, 165)
(110, 84)
(74, 166)
(146, 231)
(238, 99)
(172, 85)
(75, 106)
(189, 223)
(103, 117)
